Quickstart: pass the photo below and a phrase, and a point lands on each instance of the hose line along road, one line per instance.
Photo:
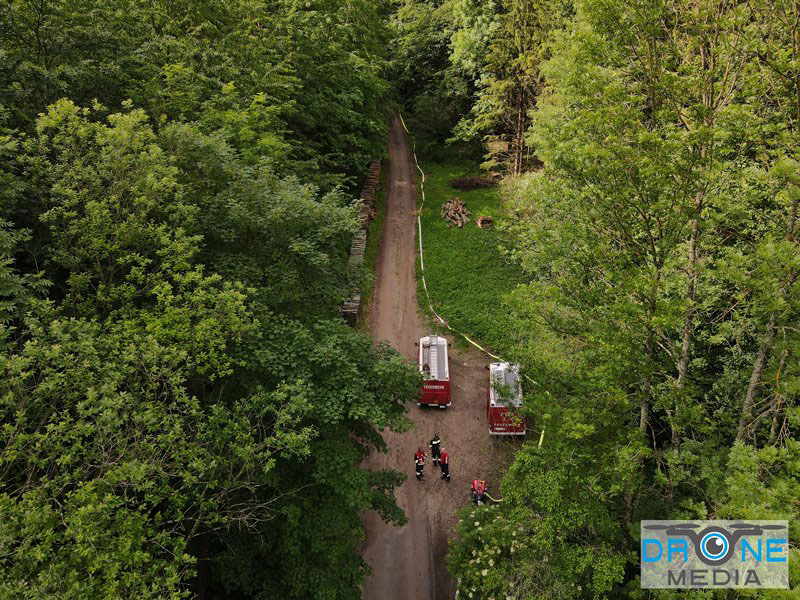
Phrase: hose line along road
(408, 562)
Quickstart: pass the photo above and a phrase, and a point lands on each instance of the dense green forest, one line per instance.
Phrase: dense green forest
(183, 411)
(652, 151)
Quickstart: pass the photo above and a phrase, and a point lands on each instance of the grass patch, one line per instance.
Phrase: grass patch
(467, 273)
(371, 249)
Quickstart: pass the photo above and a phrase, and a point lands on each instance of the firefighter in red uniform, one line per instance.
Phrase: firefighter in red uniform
(445, 466)
(436, 449)
(478, 491)
(419, 462)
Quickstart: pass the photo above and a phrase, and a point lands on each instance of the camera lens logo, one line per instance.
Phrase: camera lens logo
(715, 546)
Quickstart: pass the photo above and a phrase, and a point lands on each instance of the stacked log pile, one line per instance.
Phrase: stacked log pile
(368, 206)
(366, 212)
(455, 213)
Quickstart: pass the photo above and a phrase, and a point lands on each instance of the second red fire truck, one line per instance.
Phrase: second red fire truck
(504, 399)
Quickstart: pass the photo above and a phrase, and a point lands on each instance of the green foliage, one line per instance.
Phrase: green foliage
(299, 85)
(304, 256)
(111, 468)
(373, 243)
(660, 240)
(433, 94)
(502, 45)
(469, 72)
(467, 272)
(111, 203)
(183, 411)
(545, 540)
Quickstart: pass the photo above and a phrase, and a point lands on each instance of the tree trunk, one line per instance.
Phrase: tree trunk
(759, 365)
(519, 135)
(762, 357)
(202, 578)
(649, 345)
(644, 410)
(691, 294)
(777, 420)
(688, 324)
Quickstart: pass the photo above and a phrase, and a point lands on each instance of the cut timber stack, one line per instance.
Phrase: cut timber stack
(366, 211)
(455, 213)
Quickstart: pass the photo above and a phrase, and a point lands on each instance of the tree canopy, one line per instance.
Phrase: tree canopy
(183, 411)
(657, 224)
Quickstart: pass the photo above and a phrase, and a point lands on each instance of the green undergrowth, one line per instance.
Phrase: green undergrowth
(467, 272)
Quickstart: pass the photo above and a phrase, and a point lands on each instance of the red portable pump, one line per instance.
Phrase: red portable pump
(478, 491)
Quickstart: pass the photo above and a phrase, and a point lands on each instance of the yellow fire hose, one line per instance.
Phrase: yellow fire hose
(422, 269)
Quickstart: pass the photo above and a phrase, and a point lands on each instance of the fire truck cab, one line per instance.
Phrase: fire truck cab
(435, 371)
(504, 400)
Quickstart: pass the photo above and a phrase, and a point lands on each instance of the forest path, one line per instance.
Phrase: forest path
(408, 562)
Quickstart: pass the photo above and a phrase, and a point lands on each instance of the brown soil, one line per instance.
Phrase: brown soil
(474, 182)
(408, 562)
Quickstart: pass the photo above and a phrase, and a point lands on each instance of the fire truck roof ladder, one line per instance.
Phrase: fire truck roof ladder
(434, 361)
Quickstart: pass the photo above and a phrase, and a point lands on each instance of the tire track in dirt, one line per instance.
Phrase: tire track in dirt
(408, 562)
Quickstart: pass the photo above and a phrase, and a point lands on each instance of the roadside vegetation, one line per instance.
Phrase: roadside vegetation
(656, 225)
(183, 412)
(468, 272)
(372, 247)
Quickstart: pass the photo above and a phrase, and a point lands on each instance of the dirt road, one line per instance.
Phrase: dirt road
(408, 562)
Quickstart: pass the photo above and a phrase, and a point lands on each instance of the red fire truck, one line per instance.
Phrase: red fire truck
(504, 399)
(435, 371)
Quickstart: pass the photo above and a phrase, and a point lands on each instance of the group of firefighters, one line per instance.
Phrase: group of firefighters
(440, 459)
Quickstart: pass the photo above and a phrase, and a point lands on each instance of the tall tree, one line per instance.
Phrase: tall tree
(503, 45)
(178, 386)
(776, 34)
(656, 241)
